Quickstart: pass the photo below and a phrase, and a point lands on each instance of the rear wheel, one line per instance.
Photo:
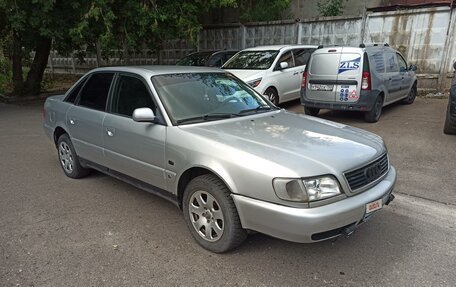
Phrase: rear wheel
(272, 95)
(68, 159)
(373, 115)
(311, 111)
(211, 215)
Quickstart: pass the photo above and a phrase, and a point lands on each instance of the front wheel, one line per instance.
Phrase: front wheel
(373, 115)
(411, 96)
(211, 215)
(272, 95)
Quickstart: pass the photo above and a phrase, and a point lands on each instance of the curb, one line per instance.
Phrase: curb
(29, 99)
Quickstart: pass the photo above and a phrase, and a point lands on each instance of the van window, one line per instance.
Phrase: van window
(391, 63)
(325, 64)
(378, 62)
(402, 63)
(301, 56)
(286, 57)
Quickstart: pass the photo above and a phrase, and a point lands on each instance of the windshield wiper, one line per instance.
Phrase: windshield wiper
(207, 117)
(256, 110)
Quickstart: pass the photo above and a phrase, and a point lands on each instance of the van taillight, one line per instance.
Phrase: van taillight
(366, 81)
(304, 80)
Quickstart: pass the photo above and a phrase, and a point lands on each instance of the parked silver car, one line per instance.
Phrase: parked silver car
(225, 155)
(364, 78)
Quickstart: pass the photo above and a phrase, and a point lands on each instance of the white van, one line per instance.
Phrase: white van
(364, 78)
(274, 71)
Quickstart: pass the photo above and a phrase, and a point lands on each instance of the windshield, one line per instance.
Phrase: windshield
(198, 97)
(195, 59)
(252, 60)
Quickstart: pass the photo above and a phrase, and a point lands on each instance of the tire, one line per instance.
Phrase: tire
(69, 161)
(411, 96)
(272, 95)
(311, 111)
(373, 115)
(449, 128)
(211, 215)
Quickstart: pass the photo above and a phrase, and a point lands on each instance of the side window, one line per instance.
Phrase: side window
(215, 61)
(130, 94)
(286, 57)
(402, 63)
(391, 63)
(75, 92)
(379, 62)
(95, 92)
(301, 56)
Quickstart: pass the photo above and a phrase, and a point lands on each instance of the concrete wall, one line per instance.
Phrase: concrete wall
(425, 36)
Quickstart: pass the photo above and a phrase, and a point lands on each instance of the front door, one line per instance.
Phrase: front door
(405, 75)
(393, 78)
(288, 80)
(134, 148)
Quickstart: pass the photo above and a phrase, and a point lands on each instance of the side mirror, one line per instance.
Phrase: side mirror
(143, 115)
(412, 68)
(283, 65)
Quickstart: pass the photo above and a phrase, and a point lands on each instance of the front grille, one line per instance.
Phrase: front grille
(361, 177)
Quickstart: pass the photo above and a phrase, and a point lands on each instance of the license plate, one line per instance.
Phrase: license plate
(317, 87)
(374, 205)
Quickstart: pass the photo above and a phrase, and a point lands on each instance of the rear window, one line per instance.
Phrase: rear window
(324, 64)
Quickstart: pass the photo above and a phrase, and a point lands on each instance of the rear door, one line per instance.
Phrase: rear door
(85, 119)
(132, 148)
(349, 76)
(322, 74)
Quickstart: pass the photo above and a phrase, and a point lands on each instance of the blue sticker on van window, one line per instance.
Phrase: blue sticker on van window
(349, 65)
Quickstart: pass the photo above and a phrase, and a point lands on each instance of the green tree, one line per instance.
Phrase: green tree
(262, 10)
(36, 25)
(331, 7)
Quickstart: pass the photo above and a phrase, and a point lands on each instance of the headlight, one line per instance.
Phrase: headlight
(306, 190)
(254, 83)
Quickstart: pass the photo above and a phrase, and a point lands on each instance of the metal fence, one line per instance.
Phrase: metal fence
(425, 36)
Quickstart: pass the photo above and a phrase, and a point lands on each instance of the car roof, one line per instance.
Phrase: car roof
(154, 70)
(278, 47)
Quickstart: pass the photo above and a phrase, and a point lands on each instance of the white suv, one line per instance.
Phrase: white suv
(274, 71)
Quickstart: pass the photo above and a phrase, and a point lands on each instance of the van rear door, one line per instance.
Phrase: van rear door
(349, 75)
(322, 74)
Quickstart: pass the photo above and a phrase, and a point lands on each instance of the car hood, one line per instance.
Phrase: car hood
(301, 144)
(247, 75)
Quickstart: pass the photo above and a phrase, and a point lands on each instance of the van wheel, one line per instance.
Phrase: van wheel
(411, 96)
(272, 95)
(311, 111)
(373, 115)
(69, 161)
(211, 215)
(449, 128)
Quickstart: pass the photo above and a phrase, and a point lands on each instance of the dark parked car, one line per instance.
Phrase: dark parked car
(207, 58)
(450, 121)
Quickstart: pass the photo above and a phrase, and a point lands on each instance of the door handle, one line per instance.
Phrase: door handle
(110, 132)
(295, 73)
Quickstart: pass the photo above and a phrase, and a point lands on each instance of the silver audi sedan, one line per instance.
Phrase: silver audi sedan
(221, 152)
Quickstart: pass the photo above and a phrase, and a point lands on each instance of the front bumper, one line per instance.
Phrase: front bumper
(311, 224)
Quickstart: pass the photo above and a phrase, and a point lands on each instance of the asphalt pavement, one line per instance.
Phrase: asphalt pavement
(99, 231)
